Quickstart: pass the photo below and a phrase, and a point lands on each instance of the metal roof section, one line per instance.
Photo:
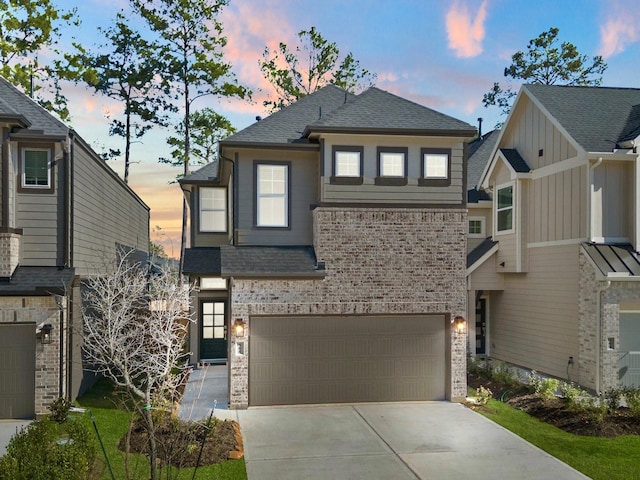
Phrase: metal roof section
(615, 261)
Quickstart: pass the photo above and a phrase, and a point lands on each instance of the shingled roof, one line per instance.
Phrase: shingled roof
(479, 151)
(597, 118)
(207, 173)
(16, 105)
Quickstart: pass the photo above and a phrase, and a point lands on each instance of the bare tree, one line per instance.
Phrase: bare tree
(136, 320)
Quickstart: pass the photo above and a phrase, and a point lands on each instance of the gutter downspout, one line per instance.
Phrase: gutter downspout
(599, 293)
(59, 301)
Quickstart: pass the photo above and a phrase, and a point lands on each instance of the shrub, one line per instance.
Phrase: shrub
(613, 397)
(597, 409)
(59, 409)
(483, 395)
(632, 397)
(570, 393)
(545, 387)
(37, 452)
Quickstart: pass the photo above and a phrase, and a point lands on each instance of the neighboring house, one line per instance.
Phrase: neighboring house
(328, 245)
(63, 214)
(558, 281)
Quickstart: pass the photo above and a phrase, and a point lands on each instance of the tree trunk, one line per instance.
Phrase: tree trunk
(153, 448)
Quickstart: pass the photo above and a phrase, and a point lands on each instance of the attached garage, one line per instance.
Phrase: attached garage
(17, 370)
(346, 359)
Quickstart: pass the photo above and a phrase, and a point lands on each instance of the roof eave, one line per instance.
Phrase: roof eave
(425, 132)
(17, 120)
(319, 274)
(270, 146)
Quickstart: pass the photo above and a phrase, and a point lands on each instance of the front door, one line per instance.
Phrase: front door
(481, 326)
(213, 340)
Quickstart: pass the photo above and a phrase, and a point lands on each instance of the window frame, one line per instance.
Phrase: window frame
(482, 221)
(287, 194)
(346, 179)
(27, 188)
(434, 181)
(201, 210)
(497, 210)
(392, 179)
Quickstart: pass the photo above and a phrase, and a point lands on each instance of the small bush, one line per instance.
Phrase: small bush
(597, 409)
(59, 409)
(570, 393)
(632, 397)
(613, 397)
(545, 387)
(483, 395)
(41, 452)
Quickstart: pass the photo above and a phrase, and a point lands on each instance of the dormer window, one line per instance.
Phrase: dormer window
(36, 174)
(347, 165)
(436, 167)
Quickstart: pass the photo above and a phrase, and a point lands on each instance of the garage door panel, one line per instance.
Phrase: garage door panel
(17, 371)
(346, 359)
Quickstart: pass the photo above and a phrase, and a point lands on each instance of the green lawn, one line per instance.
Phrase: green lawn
(598, 458)
(112, 425)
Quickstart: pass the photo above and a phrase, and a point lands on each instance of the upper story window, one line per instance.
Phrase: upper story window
(213, 209)
(347, 165)
(504, 208)
(476, 227)
(272, 195)
(436, 167)
(392, 166)
(35, 169)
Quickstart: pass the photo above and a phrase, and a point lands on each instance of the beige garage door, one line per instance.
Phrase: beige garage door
(17, 370)
(296, 360)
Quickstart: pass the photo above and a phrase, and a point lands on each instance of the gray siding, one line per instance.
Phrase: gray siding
(534, 321)
(612, 200)
(368, 192)
(105, 213)
(303, 174)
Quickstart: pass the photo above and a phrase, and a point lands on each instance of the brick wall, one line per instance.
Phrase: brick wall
(378, 261)
(39, 310)
(9, 253)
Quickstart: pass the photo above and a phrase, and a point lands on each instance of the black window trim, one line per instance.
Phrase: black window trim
(336, 180)
(388, 179)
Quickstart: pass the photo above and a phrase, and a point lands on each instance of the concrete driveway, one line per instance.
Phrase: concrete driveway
(409, 441)
(8, 428)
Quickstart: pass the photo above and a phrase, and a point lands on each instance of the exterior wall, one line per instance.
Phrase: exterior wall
(369, 192)
(9, 253)
(530, 131)
(39, 310)
(480, 211)
(303, 176)
(556, 206)
(105, 213)
(534, 322)
(208, 239)
(612, 201)
(600, 312)
(372, 267)
(485, 277)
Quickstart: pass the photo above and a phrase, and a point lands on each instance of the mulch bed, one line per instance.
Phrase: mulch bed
(579, 421)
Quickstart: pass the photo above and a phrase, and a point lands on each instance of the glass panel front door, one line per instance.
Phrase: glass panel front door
(481, 326)
(213, 340)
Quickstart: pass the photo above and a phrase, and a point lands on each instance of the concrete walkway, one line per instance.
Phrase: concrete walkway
(8, 428)
(403, 441)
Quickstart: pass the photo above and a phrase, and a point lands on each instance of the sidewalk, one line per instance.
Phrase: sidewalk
(206, 389)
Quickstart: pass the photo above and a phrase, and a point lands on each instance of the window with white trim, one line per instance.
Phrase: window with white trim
(272, 195)
(436, 166)
(392, 164)
(36, 168)
(213, 209)
(347, 164)
(504, 208)
(476, 227)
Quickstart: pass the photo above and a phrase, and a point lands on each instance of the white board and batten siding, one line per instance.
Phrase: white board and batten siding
(105, 213)
(534, 321)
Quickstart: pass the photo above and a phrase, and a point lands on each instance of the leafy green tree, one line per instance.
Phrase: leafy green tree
(545, 62)
(311, 65)
(29, 30)
(207, 129)
(191, 40)
(128, 72)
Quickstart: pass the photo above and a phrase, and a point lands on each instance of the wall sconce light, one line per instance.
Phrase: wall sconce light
(459, 324)
(45, 333)
(239, 327)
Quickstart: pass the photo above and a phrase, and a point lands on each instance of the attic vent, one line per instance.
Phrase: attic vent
(319, 112)
(258, 118)
(540, 152)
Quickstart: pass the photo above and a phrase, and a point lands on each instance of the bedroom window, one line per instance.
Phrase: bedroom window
(36, 168)
(213, 209)
(272, 195)
(436, 167)
(504, 209)
(347, 165)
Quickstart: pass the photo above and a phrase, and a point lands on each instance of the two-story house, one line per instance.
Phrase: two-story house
(560, 273)
(63, 214)
(328, 246)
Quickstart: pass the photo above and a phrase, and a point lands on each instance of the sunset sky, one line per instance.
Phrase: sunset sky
(440, 53)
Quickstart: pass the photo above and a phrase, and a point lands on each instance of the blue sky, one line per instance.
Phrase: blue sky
(444, 54)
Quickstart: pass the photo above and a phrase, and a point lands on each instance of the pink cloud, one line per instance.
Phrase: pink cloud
(466, 33)
(619, 31)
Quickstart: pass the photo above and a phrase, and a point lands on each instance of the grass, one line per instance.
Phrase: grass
(597, 457)
(113, 424)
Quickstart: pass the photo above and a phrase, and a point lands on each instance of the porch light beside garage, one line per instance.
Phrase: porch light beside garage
(239, 327)
(45, 333)
(459, 324)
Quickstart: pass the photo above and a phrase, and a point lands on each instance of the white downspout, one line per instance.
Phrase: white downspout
(590, 200)
(599, 350)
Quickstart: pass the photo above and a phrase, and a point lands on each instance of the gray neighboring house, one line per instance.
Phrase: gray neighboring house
(558, 279)
(328, 246)
(64, 212)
